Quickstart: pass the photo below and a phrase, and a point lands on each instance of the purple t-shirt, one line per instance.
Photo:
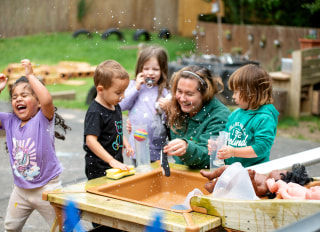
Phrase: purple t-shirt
(32, 152)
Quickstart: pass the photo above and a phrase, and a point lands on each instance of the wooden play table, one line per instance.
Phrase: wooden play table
(125, 215)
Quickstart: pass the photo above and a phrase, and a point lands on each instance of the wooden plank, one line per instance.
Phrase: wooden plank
(188, 12)
(64, 95)
(295, 85)
(310, 52)
(281, 76)
(310, 81)
(313, 61)
(256, 215)
(310, 71)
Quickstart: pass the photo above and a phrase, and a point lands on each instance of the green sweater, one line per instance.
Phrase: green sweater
(208, 121)
(256, 128)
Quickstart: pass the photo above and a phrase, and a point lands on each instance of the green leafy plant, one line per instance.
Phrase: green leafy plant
(81, 9)
(312, 7)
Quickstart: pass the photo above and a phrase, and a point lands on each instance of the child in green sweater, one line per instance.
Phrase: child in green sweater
(253, 126)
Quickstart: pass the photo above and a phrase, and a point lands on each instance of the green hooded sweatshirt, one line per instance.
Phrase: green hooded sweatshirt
(197, 130)
(256, 128)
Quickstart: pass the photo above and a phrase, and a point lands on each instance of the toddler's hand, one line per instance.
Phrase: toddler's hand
(28, 67)
(128, 125)
(116, 164)
(163, 103)
(129, 150)
(3, 81)
(225, 152)
(212, 145)
(139, 81)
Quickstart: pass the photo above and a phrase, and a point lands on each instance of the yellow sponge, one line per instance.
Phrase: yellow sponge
(116, 173)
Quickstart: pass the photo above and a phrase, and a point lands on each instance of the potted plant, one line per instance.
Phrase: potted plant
(310, 40)
(228, 34)
(262, 42)
(309, 43)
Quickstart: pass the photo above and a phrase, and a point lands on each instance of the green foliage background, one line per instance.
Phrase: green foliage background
(299, 13)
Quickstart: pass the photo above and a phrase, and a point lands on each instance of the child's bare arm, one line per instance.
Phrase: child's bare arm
(126, 145)
(3, 81)
(40, 90)
(244, 152)
(98, 150)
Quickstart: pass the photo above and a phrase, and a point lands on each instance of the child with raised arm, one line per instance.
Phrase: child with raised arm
(103, 136)
(30, 141)
(145, 97)
(253, 126)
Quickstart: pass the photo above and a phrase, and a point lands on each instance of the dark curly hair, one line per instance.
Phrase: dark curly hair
(298, 175)
(59, 122)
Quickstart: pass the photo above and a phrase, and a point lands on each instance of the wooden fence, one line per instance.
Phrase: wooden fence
(19, 18)
(179, 16)
(35, 16)
(248, 39)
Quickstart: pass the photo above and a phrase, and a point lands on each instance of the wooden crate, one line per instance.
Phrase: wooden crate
(305, 75)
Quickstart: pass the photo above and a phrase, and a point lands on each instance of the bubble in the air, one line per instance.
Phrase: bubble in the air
(154, 19)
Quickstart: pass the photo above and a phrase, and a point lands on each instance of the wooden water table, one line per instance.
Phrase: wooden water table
(126, 215)
(97, 202)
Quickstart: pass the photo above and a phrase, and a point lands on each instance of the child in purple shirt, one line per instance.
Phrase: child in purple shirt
(30, 141)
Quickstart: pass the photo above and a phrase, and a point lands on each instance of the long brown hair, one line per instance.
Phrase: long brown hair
(254, 84)
(207, 86)
(161, 55)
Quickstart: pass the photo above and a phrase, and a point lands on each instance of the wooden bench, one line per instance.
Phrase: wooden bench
(300, 84)
(64, 95)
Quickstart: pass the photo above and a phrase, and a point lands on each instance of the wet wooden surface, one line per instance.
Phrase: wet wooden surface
(125, 215)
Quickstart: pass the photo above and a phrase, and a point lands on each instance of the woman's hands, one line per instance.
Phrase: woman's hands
(177, 147)
(3, 81)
